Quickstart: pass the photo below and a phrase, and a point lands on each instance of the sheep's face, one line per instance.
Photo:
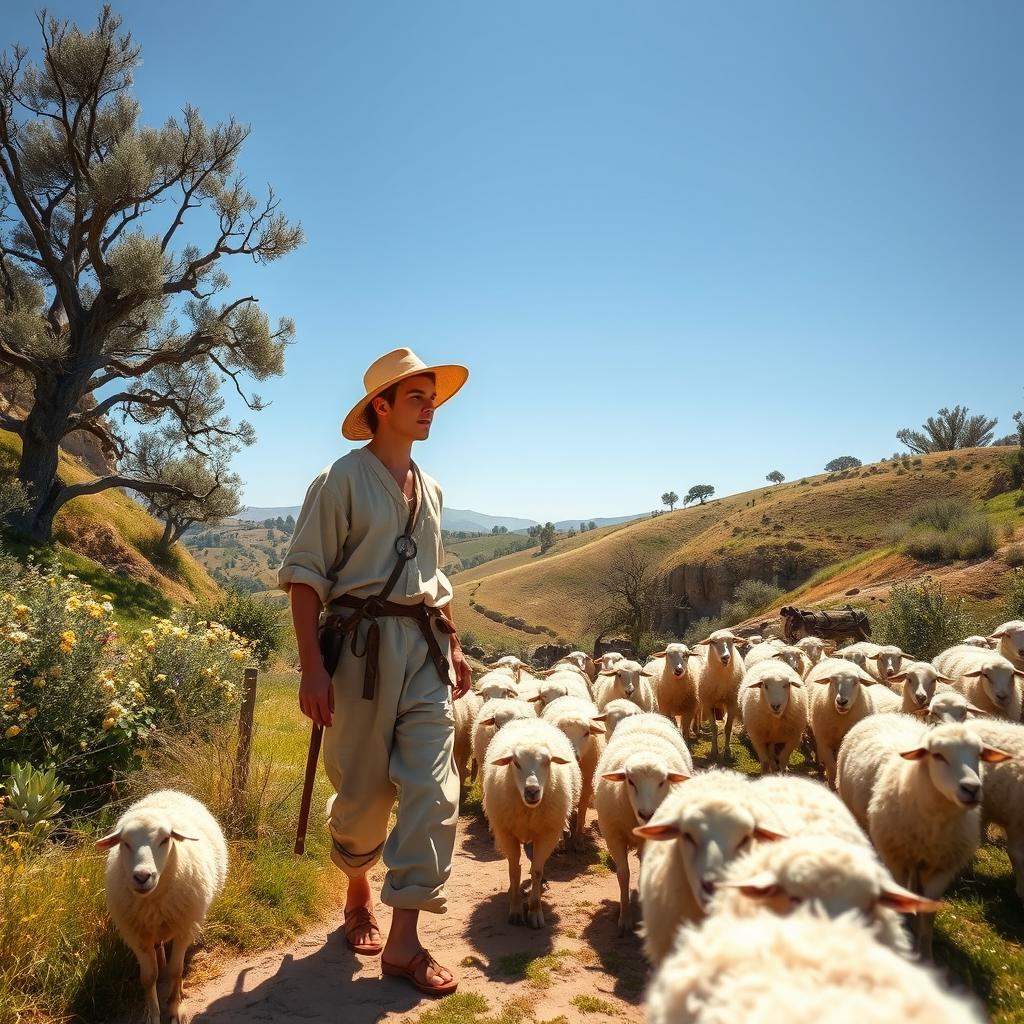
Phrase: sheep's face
(775, 691)
(580, 732)
(646, 784)
(889, 660)
(676, 657)
(919, 680)
(948, 706)
(495, 688)
(1010, 638)
(844, 688)
(144, 853)
(606, 661)
(721, 646)
(952, 756)
(532, 768)
(859, 658)
(813, 648)
(828, 876)
(615, 711)
(503, 715)
(577, 658)
(550, 692)
(627, 677)
(998, 681)
(979, 641)
(792, 656)
(710, 834)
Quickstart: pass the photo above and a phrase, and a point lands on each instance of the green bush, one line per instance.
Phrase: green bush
(922, 620)
(259, 621)
(1015, 556)
(944, 530)
(1015, 595)
(700, 628)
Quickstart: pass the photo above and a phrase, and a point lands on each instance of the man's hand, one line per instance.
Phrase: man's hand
(316, 695)
(463, 673)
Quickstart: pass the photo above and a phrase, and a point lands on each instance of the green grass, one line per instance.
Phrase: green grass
(532, 968)
(592, 1004)
(470, 1008)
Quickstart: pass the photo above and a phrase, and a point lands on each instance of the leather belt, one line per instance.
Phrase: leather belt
(374, 608)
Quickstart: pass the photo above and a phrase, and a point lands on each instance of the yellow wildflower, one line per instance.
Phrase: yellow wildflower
(21, 610)
(106, 597)
(94, 610)
(109, 688)
(12, 731)
(73, 603)
(68, 641)
(82, 745)
(160, 678)
(108, 724)
(39, 682)
(237, 655)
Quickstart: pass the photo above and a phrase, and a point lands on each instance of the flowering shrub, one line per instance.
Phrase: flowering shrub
(77, 696)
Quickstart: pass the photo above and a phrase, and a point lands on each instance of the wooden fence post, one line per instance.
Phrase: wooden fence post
(243, 755)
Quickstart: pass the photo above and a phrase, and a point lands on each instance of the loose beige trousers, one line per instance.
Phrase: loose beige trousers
(398, 744)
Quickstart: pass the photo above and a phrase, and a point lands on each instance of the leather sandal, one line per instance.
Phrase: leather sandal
(359, 918)
(425, 961)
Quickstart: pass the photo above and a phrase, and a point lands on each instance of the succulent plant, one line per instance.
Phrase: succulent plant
(32, 797)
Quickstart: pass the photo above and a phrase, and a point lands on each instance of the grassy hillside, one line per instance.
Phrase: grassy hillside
(785, 534)
(110, 541)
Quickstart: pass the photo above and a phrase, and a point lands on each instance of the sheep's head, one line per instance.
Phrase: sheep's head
(919, 679)
(627, 676)
(509, 661)
(578, 728)
(889, 661)
(648, 781)
(858, 658)
(792, 656)
(145, 851)
(774, 685)
(617, 710)
(531, 763)
(951, 754)
(1010, 638)
(979, 641)
(676, 656)
(609, 659)
(505, 712)
(577, 658)
(710, 832)
(493, 687)
(721, 645)
(998, 680)
(828, 875)
(846, 684)
(948, 706)
(812, 647)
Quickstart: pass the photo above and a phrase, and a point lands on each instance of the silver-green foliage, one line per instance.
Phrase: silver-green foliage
(32, 800)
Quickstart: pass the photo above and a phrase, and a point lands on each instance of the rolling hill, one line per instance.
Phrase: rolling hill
(835, 529)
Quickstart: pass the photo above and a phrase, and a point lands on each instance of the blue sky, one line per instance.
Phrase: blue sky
(674, 242)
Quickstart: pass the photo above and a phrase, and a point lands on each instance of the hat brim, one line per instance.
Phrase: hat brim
(448, 379)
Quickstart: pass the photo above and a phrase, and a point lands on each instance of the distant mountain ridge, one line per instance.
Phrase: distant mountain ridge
(454, 519)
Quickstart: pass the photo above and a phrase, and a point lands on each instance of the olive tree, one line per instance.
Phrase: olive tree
(106, 310)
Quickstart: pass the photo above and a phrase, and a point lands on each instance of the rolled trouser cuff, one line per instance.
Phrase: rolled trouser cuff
(353, 864)
(415, 897)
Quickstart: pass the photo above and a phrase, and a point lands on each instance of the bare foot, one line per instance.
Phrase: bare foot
(358, 896)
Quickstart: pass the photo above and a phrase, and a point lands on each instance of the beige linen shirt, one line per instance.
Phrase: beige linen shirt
(344, 539)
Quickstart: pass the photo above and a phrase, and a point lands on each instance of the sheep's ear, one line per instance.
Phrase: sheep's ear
(603, 717)
(914, 755)
(702, 643)
(538, 699)
(486, 721)
(823, 679)
(500, 762)
(944, 679)
(659, 833)
(755, 686)
(1018, 675)
(975, 674)
(997, 635)
(873, 657)
(797, 683)
(183, 836)
(608, 672)
(758, 886)
(648, 675)
(920, 712)
(895, 897)
(660, 654)
(559, 760)
(977, 711)
(108, 842)
(993, 755)
(676, 777)
(596, 729)
(767, 834)
(899, 677)
(614, 776)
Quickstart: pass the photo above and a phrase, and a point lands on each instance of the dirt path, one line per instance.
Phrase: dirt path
(579, 954)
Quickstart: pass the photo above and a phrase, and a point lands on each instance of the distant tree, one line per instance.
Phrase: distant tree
(670, 498)
(290, 522)
(843, 463)
(949, 429)
(110, 310)
(494, 530)
(583, 527)
(775, 477)
(533, 531)
(547, 535)
(698, 492)
(592, 525)
(571, 533)
(632, 595)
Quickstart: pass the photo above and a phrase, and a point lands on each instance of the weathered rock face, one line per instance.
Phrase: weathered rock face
(619, 644)
(700, 589)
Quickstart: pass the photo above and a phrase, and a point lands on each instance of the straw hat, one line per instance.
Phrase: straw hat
(390, 369)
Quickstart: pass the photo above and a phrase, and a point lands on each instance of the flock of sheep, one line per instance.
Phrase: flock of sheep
(774, 892)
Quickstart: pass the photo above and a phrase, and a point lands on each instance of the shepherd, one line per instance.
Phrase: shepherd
(363, 575)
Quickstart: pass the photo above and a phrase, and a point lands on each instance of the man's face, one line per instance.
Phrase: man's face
(413, 410)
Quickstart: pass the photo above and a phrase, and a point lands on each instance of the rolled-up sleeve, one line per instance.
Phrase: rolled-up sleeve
(318, 540)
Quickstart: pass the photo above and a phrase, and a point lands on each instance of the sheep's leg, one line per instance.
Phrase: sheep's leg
(474, 768)
(785, 754)
(148, 974)
(730, 714)
(828, 757)
(175, 968)
(541, 851)
(586, 794)
(764, 754)
(508, 845)
(1015, 848)
(714, 734)
(620, 854)
(933, 887)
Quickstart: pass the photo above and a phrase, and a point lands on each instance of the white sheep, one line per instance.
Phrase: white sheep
(804, 968)
(465, 710)
(837, 699)
(577, 719)
(675, 684)
(805, 807)
(615, 711)
(698, 829)
(608, 659)
(167, 863)
(790, 654)
(813, 648)
(831, 875)
(1003, 793)
(625, 679)
(531, 783)
(916, 683)
(652, 723)
(987, 679)
(774, 711)
(491, 717)
(719, 674)
(886, 661)
(1009, 641)
(565, 683)
(947, 706)
(917, 790)
(635, 774)
(979, 641)
(583, 661)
